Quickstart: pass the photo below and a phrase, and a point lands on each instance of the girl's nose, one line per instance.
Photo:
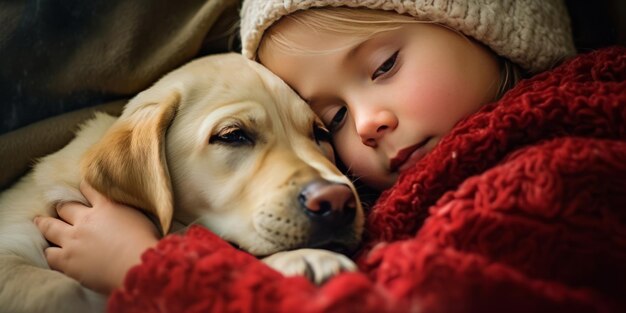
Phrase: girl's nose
(371, 126)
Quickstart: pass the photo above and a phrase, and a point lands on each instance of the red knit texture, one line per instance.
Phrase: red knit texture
(521, 208)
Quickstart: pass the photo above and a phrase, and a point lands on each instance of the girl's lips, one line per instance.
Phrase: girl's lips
(408, 156)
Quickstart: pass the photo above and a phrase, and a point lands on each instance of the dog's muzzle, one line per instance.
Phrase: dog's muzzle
(331, 209)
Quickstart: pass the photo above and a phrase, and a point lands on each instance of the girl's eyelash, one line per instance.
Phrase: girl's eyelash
(337, 119)
(387, 66)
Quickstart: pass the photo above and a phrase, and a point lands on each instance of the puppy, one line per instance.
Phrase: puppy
(221, 142)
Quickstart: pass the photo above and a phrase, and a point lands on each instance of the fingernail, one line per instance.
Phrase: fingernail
(36, 219)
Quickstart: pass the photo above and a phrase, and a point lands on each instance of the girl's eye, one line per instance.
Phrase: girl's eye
(386, 66)
(338, 118)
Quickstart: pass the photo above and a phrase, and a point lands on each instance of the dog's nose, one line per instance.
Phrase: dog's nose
(328, 203)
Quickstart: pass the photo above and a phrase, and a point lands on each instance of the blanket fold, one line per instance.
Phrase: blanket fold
(521, 208)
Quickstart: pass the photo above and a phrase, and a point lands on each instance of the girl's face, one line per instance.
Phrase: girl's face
(388, 99)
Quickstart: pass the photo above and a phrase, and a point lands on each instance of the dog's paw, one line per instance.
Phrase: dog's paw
(315, 264)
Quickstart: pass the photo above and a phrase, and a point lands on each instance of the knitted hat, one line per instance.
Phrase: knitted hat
(535, 34)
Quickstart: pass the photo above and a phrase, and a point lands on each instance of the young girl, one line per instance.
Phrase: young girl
(492, 202)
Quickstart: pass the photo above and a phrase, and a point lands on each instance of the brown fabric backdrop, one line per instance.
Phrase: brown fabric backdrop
(72, 56)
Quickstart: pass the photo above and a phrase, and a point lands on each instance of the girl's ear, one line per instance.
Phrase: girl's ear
(128, 164)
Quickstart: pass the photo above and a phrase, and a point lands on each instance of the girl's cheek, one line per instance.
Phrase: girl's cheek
(350, 150)
(356, 158)
(343, 149)
(431, 97)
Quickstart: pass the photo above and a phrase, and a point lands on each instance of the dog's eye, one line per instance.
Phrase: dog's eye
(320, 133)
(232, 136)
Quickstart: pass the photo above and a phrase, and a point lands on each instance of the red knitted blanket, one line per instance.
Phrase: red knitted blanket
(521, 208)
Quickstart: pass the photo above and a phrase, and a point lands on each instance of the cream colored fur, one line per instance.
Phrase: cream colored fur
(164, 155)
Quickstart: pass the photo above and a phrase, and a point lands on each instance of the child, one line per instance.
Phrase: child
(512, 205)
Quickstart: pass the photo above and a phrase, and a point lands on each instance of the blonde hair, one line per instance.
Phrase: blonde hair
(361, 24)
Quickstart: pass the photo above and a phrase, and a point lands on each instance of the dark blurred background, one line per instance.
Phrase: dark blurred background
(597, 24)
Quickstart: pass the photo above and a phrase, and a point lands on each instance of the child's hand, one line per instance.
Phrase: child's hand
(97, 245)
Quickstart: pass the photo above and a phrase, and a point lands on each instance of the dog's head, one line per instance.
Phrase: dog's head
(225, 143)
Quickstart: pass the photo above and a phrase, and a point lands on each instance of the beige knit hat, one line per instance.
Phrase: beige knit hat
(534, 34)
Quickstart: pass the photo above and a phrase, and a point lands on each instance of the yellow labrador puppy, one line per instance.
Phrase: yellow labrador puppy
(221, 142)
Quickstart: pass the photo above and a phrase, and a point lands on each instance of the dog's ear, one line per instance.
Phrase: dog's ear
(129, 165)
